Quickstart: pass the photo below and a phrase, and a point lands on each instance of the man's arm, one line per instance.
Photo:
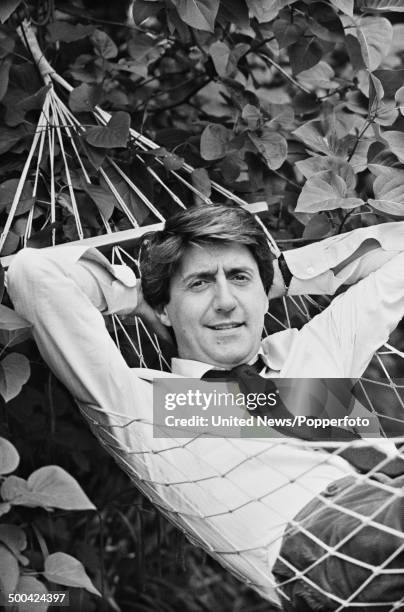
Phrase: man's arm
(322, 267)
(359, 321)
(62, 293)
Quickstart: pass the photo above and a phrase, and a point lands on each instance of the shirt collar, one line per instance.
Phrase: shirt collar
(274, 350)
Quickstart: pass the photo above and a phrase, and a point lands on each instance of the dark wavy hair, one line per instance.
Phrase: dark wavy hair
(161, 252)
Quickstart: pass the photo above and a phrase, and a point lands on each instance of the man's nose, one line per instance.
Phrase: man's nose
(224, 299)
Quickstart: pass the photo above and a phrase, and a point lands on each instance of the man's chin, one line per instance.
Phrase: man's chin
(229, 360)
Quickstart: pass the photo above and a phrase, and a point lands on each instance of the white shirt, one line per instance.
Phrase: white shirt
(232, 496)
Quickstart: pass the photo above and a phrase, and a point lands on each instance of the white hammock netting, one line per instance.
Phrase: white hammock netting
(228, 495)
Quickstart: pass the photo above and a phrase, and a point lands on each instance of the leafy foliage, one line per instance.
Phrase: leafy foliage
(49, 487)
(292, 102)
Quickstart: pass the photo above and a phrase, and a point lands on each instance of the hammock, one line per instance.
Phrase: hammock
(195, 482)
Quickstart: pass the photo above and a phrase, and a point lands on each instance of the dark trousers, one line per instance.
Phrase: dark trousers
(343, 548)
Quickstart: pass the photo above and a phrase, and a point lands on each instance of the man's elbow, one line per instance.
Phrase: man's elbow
(28, 268)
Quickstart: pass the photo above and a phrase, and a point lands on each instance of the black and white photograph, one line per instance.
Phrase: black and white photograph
(202, 305)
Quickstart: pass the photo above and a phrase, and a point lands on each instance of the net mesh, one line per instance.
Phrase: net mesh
(238, 498)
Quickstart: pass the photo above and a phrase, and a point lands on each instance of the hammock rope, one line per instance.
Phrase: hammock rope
(199, 483)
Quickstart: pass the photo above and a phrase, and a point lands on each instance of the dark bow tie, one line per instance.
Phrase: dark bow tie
(239, 372)
(249, 380)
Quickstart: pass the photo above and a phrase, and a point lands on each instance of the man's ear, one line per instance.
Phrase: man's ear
(162, 315)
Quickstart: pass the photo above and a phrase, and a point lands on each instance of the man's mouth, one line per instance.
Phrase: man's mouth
(221, 326)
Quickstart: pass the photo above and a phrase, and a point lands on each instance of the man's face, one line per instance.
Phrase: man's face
(217, 305)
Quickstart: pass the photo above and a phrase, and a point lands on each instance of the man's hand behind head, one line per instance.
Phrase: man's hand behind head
(148, 316)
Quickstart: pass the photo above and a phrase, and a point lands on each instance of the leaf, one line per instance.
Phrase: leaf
(171, 137)
(320, 163)
(230, 167)
(318, 227)
(7, 192)
(11, 243)
(36, 100)
(376, 92)
(312, 134)
(360, 149)
(7, 44)
(305, 103)
(325, 191)
(104, 200)
(14, 373)
(7, 8)
(379, 169)
(104, 46)
(11, 320)
(9, 457)
(384, 113)
(252, 116)
(143, 50)
(170, 160)
(374, 35)
(9, 137)
(233, 12)
(4, 508)
(345, 6)
(286, 33)
(391, 80)
(355, 52)
(9, 571)
(399, 98)
(13, 487)
(272, 146)
(395, 142)
(65, 569)
(142, 10)
(319, 76)
(379, 157)
(214, 141)
(48, 487)
(388, 189)
(325, 23)
(199, 14)
(201, 181)
(114, 134)
(64, 31)
(85, 97)
(282, 116)
(304, 54)
(381, 5)
(56, 488)
(13, 328)
(95, 155)
(132, 201)
(4, 74)
(236, 54)
(15, 539)
(266, 10)
(137, 171)
(29, 585)
(42, 238)
(220, 54)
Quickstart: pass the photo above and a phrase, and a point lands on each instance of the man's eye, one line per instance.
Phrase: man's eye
(240, 277)
(198, 284)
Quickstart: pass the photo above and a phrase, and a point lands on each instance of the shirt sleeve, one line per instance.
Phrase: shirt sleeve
(62, 292)
(359, 321)
(312, 266)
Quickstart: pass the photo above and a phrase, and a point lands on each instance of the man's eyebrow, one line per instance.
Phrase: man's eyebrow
(204, 273)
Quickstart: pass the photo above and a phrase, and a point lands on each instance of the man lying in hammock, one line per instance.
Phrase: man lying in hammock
(257, 505)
